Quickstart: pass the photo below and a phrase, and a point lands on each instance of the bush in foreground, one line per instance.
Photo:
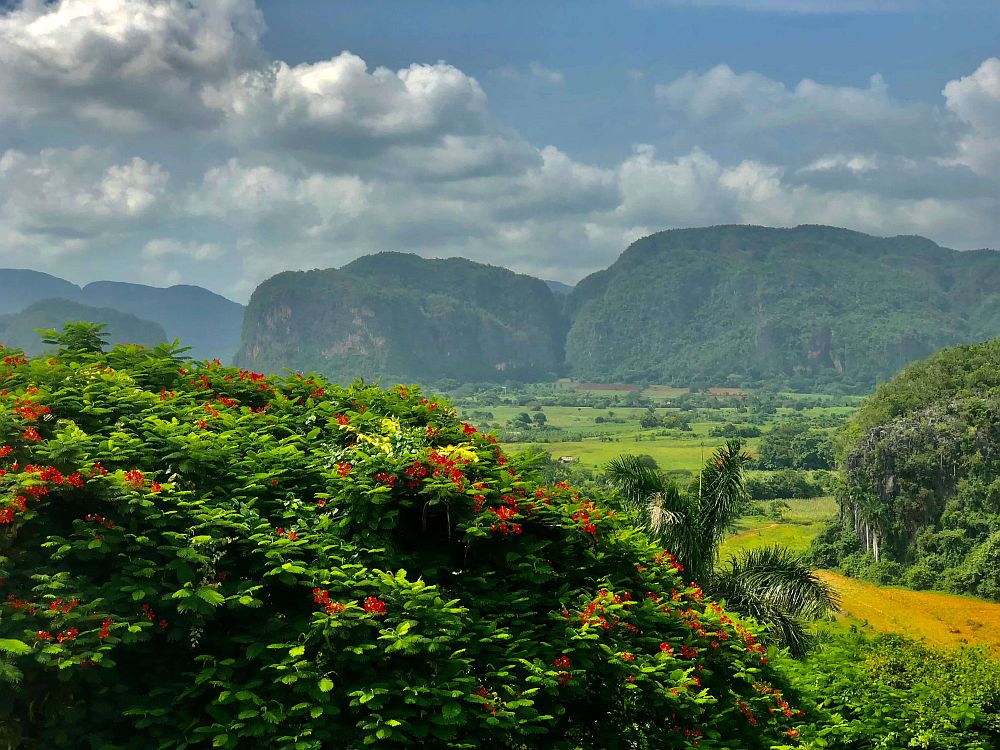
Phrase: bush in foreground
(194, 555)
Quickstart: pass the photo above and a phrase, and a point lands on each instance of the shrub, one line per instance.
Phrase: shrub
(194, 555)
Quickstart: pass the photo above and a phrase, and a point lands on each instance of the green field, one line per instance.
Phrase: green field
(800, 523)
(671, 453)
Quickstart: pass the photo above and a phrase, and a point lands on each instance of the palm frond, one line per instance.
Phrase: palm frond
(777, 588)
(724, 497)
(634, 480)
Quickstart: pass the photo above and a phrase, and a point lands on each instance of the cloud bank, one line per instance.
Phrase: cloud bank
(273, 166)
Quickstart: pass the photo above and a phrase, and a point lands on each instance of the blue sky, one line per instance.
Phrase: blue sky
(221, 142)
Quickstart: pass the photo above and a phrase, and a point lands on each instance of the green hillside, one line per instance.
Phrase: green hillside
(403, 317)
(920, 502)
(17, 331)
(808, 307)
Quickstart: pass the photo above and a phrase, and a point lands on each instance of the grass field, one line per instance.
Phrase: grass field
(800, 524)
(672, 454)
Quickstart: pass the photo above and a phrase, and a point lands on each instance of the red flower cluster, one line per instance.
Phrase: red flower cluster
(68, 635)
(667, 558)
(586, 517)
(444, 466)
(375, 606)
(290, 535)
(151, 616)
(58, 606)
(105, 628)
(135, 479)
(31, 412)
(322, 597)
(30, 433)
(343, 468)
(99, 520)
(385, 479)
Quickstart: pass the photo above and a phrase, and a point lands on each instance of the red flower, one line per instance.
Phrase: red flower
(135, 478)
(343, 468)
(30, 433)
(375, 606)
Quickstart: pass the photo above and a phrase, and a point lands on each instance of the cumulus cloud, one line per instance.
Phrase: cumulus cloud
(123, 64)
(975, 100)
(340, 105)
(80, 192)
(312, 164)
(764, 117)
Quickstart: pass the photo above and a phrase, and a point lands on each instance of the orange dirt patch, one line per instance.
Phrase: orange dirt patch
(943, 619)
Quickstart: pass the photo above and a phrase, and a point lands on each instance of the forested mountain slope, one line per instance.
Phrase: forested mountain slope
(405, 318)
(807, 307)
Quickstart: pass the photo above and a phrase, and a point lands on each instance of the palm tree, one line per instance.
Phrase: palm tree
(771, 584)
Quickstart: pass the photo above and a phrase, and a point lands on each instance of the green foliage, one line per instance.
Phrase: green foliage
(808, 308)
(199, 556)
(795, 444)
(920, 462)
(771, 584)
(786, 484)
(889, 692)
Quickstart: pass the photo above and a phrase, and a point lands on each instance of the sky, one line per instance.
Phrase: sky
(220, 142)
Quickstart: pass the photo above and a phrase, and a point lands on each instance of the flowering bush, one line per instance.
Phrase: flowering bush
(195, 555)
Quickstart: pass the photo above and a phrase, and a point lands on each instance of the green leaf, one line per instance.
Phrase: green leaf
(210, 595)
(13, 646)
(326, 685)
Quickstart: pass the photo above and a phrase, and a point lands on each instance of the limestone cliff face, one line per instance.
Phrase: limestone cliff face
(404, 318)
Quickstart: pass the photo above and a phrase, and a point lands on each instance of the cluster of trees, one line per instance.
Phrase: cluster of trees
(193, 555)
(920, 460)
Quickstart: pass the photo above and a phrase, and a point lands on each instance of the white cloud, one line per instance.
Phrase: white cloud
(122, 64)
(548, 75)
(764, 117)
(340, 105)
(79, 191)
(975, 100)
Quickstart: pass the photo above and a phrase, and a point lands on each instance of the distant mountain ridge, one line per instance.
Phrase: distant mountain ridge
(207, 322)
(406, 318)
(808, 307)
(17, 330)
(805, 308)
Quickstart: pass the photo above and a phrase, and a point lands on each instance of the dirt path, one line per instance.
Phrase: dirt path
(943, 619)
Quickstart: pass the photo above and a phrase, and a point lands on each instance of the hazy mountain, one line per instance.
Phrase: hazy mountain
(405, 318)
(20, 287)
(808, 307)
(205, 321)
(17, 330)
